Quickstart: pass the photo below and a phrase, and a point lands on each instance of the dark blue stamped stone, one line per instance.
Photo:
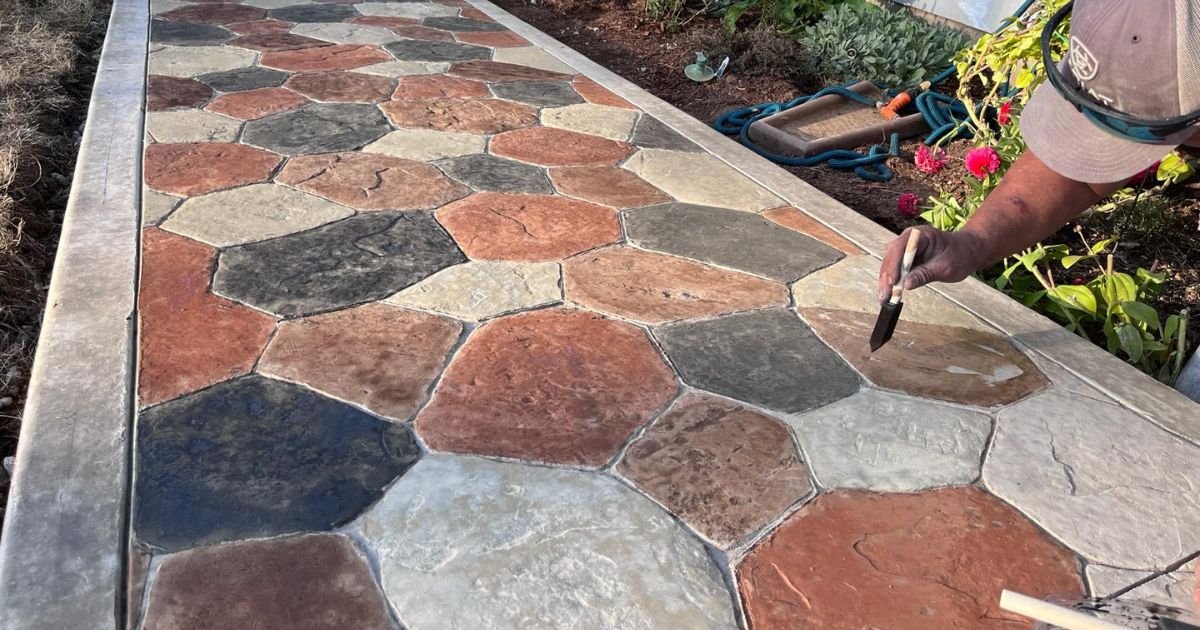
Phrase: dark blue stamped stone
(462, 25)
(319, 128)
(419, 50)
(314, 13)
(243, 79)
(651, 133)
(187, 33)
(542, 93)
(489, 173)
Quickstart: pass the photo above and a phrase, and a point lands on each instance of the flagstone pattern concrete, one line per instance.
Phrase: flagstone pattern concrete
(438, 332)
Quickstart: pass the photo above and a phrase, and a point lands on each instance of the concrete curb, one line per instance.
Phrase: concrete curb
(1160, 404)
(61, 551)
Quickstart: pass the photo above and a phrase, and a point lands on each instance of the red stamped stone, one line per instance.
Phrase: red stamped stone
(341, 87)
(476, 14)
(190, 338)
(341, 57)
(938, 559)
(260, 27)
(204, 167)
(559, 147)
(254, 104)
(495, 39)
(499, 72)
(371, 181)
(163, 93)
(469, 115)
(593, 93)
(214, 13)
(438, 86)
(801, 222)
(378, 356)
(608, 185)
(556, 385)
(423, 33)
(277, 41)
(498, 226)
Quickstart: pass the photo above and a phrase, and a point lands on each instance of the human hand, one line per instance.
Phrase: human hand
(941, 257)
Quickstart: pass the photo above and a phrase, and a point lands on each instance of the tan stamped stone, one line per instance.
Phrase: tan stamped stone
(801, 222)
(701, 179)
(191, 61)
(1173, 589)
(534, 57)
(412, 10)
(255, 104)
(379, 356)
(424, 145)
(654, 288)
(438, 86)
(467, 115)
(156, 206)
(342, 33)
(251, 213)
(481, 290)
(499, 226)
(404, 68)
(341, 87)
(204, 167)
(370, 181)
(850, 285)
(339, 57)
(598, 120)
(559, 147)
(415, 31)
(607, 185)
(191, 126)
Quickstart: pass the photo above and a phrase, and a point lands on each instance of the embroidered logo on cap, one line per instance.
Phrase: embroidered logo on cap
(1083, 62)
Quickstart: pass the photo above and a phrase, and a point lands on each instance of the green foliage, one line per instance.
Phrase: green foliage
(666, 12)
(890, 47)
(785, 15)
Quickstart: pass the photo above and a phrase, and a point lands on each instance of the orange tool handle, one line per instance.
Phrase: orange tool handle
(892, 110)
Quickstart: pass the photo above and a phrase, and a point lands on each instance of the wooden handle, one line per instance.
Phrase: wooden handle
(1060, 616)
(910, 252)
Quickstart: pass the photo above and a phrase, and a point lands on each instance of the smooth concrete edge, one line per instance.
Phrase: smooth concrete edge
(1160, 404)
(61, 562)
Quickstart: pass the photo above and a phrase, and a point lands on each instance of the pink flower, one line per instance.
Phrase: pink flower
(929, 162)
(1005, 115)
(982, 161)
(906, 205)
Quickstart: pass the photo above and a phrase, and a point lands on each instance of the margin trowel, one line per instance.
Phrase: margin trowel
(889, 312)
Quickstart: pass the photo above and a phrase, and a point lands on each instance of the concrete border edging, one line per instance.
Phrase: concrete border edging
(1160, 404)
(61, 563)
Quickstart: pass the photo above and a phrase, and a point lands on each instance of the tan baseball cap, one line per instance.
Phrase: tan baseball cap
(1141, 58)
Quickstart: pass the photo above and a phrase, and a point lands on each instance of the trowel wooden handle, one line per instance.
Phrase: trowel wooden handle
(910, 253)
(1059, 616)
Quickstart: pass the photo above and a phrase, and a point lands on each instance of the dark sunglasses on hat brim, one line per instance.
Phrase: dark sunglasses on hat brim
(1117, 122)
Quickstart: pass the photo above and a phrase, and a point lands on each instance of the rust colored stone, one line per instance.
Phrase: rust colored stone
(341, 57)
(476, 14)
(656, 288)
(804, 224)
(190, 338)
(204, 167)
(556, 385)
(499, 72)
(608, 185)
(371, 181)
(379, 356)
(724, 469)
(260, 27)
(271, 42)
(438, 86)
(559, 147)
(938, 559)
(214, 13)
(495, 39)
(341, 87)
(597, 95)
(163, 93)
(254, 104)
(961, 365)
(313, 582)
(384, 21)
(497, 226)
(469, 115)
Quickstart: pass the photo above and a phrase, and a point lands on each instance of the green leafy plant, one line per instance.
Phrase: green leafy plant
(668, 13)
(785, 15)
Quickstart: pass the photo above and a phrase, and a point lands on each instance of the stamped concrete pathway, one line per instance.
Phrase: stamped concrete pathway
(436, 332)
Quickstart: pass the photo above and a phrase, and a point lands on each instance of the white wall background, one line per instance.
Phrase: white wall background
(984, 15)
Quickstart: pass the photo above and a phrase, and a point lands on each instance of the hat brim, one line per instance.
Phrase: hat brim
(1074, 147)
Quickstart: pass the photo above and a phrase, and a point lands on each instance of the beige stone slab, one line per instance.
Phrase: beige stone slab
(274, 4)
(404, 68)
(345, 33)
(1173, 589)
(414, 10)
(192, 61)
(252, 213)
(156, 206)
(162, 6)
(191, 125)
(425, 145)
(700, 179)
(598, 120)
(850, 285)
(480, 290)
(533, 57)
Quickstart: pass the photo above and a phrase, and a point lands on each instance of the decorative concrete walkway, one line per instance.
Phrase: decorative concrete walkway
(436, 332)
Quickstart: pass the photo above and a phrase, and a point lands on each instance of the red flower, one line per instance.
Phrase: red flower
(1005, 115)
(982, 161)
(906, 205)
(929, 162)
(1140, 178)
(1079, 281)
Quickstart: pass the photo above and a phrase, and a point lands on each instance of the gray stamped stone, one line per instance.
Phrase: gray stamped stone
(156, 206)
(314, 13)
(188, 33)
(462, 25)
(474, 543)
(361, 259)
(740, 240)
(542, 94)
(191, 125)
(244, 79)
(274, 4)
(1109, 484)
(701, 179)
(412, 10)
(481, 290)
(346, 33)
(190, 61)
(1173, 589)
(888, 443)
(651, 133)
(425, 145)
(252, 213)
(768, 358)
(419, 50)
(494, 174)
(319, 128)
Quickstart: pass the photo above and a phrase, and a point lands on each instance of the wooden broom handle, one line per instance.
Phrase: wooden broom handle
(910, 253)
